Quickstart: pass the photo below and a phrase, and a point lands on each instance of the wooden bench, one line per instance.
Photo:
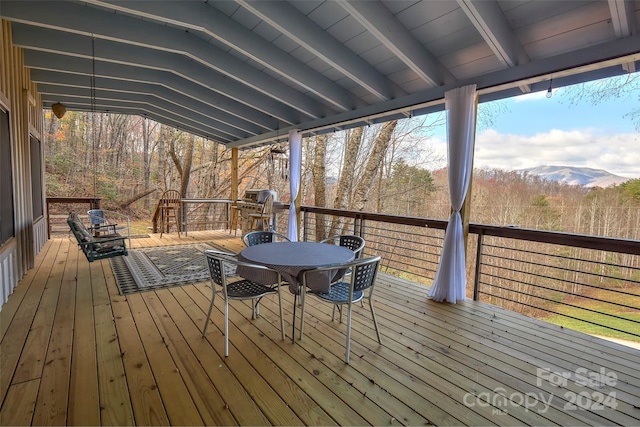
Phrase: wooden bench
(108, 244)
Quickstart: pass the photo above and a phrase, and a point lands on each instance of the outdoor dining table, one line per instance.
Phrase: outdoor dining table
(290, 259)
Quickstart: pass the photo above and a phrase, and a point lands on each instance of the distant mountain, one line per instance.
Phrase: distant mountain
(586, 177)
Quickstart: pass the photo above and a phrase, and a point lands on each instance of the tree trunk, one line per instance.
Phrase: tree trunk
(117, 123)
(341, 201)
(319, 181)
(125, 204)
(185, 170)
(145, 161)
(53, 131)
(381, 144)
(162, 173)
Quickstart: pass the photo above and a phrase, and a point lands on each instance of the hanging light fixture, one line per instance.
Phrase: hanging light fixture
(59, 110)
(549, 93)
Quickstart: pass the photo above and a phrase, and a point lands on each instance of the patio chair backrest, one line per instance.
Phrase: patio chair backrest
(355, 243)
(217, 271)
(259, 237)
(364, 273)
(96, 217)
(228, 268)
(171, 198)
(267, 205)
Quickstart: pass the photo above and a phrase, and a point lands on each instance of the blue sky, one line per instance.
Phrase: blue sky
(534, 130)
(530, 114)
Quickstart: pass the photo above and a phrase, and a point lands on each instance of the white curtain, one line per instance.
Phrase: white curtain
(295, 162)
(450, 282)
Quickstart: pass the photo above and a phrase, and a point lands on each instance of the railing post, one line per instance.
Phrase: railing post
(305, 224)
(476, 281)
(358, 220)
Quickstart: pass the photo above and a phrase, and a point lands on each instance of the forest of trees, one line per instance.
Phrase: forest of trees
(388, 168)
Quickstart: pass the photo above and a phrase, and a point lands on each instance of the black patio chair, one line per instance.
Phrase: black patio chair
(109, 220)
(349, 241)
(355, 243)
(359, 287)
(259, 237)
(238, 289)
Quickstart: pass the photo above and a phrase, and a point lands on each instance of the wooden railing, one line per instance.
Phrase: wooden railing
(586, 282)
(91, 202)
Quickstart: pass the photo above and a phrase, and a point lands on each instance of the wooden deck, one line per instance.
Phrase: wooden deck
(75, 352)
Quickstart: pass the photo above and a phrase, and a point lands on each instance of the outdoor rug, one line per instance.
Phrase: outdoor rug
(161, 267)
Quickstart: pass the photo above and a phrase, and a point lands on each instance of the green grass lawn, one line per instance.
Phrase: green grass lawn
(588, 328)
(140, 227)
(624, 324)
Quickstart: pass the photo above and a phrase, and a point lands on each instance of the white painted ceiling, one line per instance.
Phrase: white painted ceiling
(244, 72)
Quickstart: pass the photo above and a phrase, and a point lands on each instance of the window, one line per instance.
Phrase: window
(36, 177)
(6, 181)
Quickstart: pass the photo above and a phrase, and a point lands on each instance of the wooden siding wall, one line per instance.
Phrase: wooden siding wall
(19, 96)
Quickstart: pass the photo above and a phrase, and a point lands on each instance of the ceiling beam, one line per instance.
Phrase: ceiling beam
(128, 99)
(81, 104)
(63, 43)
(172, 108)
(295, 25)
(572, 67)
(104, 99)
(227, 110)
(205, 18)
(179, 101)
(90, 21)
(624, 23)
(379, 21)
(110, 104)
(622, 17)
(487, 17)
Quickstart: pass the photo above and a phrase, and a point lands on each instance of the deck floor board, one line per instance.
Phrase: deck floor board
(78, 353)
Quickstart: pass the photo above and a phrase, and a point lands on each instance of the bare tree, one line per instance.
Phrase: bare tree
(382, 141)
(146, 162)
(343, 191)
(183, 167)
(623, 87)
(319, 172)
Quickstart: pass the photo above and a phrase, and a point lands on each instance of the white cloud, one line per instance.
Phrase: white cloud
(615, 153)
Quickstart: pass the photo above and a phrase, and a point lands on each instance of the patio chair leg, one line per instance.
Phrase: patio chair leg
(303, 297)
(206, 323)
(281, 312)
(226, 328)
(293, 324)
(348, 344)
(375, 321)
(255, 303)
